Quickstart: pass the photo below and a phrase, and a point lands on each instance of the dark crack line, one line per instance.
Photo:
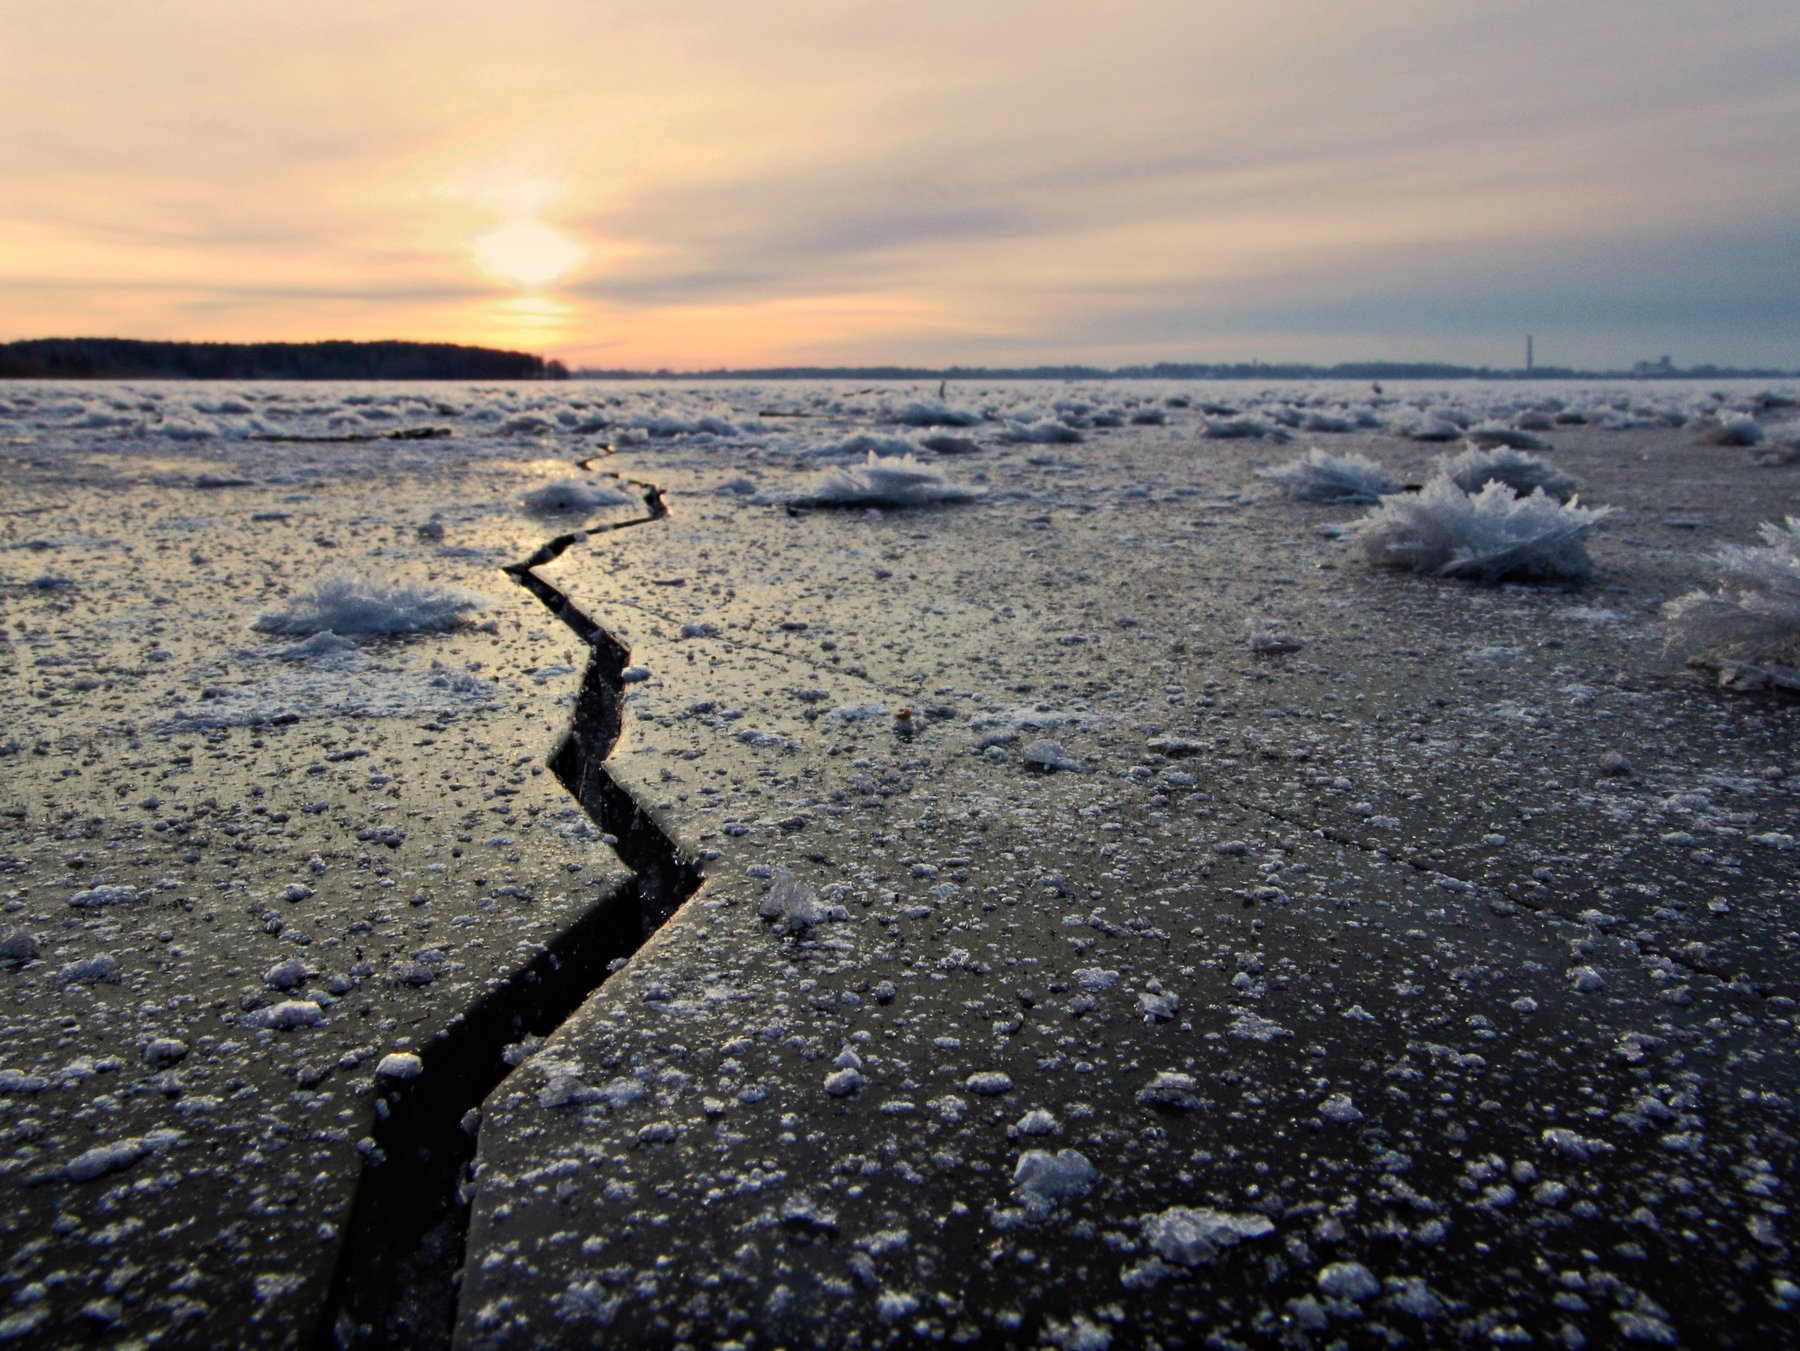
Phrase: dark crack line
(399, 1267)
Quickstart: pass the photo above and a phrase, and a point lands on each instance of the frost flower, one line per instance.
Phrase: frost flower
(1486, 536)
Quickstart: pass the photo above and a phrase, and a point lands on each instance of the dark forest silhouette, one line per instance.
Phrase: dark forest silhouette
(131, 359)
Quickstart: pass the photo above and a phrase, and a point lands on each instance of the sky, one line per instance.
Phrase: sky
(699, 183)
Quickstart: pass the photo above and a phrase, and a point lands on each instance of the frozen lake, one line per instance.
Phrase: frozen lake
(813, 863)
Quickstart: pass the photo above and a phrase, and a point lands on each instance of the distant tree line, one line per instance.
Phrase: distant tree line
(130, 359)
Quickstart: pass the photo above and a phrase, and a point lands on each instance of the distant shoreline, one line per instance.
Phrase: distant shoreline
(1357, 370)
(135, 359)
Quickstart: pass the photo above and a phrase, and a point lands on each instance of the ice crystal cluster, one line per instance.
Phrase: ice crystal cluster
(1486, 536)
(1342, 479)
(344, 604)
(884, 481)
(1519, 470)
(1749, 624)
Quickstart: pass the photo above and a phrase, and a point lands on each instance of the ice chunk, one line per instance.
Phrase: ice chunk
(1733, 429)
(842, 1083)
(1572, 1144)
(102, 969)
(1255, 1027)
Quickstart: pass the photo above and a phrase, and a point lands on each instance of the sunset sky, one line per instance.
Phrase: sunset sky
(692, 183)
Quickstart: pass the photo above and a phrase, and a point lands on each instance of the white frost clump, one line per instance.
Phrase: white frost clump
(95, 898)
(1321, 477)
(1430, 427)
(1044, 1178)
(1491, 434)
(1485, 536)
(1241, 429)
(17, 944)
(1194, 1237)
(117, 1155)
(1572, 1144)
(1350, 1281)
(572, 494)
(861, 445)
(323, 644)
(931, 413)
(884, 481)
(1749, 625)
(291, 1014)
(399, 1065)
(1046, 433)
(1170, 1088)
(1733, 429)
(362, 605)
(794, 905)
(1046, 754)
(1517, 469)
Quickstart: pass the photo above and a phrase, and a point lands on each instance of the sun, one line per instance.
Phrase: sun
(526, 253)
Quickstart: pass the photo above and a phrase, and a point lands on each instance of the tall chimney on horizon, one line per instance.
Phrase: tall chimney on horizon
(1528, 354)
